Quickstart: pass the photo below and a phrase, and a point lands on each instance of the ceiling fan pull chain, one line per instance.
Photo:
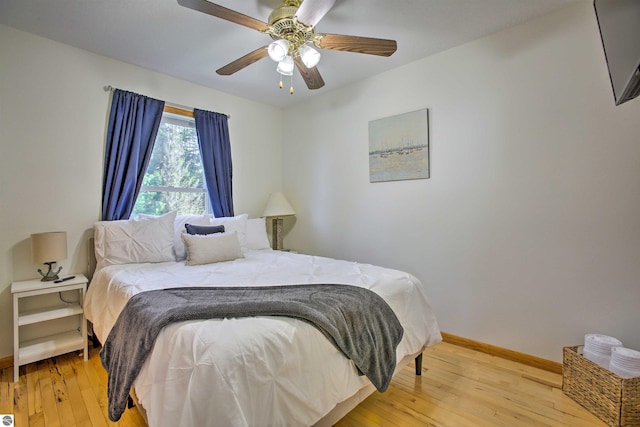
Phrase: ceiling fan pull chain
(280, 81)
(291, 88)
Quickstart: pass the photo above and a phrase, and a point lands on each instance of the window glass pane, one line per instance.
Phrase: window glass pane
(161, 202)
(174, 179)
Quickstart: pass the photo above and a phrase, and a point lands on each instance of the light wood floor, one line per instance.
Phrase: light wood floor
(458, 387)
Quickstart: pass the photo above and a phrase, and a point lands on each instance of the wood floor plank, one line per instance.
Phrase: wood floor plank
(88, 391)
(515, 406)
(21, 402)
(80, 414)
(459, 387)
(36, 420)
(6, 392)
(49, 408)
(98, 386)
(33, 389)
(93, 409)
(65, 411)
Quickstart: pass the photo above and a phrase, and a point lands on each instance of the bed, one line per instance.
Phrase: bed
(248, 371)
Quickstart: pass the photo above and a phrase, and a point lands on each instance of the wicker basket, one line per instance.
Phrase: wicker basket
(613, 399)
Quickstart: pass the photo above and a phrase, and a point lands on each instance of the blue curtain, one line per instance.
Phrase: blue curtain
(133, 126)
(215, 149)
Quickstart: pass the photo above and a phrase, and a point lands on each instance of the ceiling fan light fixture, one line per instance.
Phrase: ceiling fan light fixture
(285, 67)
(278, 50)
(309, 56)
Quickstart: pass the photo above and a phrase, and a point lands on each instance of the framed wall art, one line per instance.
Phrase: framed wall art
(399, 147)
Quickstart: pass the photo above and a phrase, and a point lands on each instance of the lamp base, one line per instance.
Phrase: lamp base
(50, 275)
(277, 234)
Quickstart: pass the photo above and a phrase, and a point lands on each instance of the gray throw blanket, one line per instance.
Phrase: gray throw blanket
(355, 320)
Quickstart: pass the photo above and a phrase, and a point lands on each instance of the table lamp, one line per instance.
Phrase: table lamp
(277, 207)
(48, 248)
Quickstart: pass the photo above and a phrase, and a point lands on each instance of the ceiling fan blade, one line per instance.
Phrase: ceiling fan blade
(368, 45)
(224, 13)
(311, 76)
(311, 12)
(243, 62)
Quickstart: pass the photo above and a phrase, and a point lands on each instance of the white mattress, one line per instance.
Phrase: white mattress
(252, 371)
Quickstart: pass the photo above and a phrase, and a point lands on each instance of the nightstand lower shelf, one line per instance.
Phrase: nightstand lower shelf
(50, 346)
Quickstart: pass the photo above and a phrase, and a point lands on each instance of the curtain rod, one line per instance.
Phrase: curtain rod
(110, 88)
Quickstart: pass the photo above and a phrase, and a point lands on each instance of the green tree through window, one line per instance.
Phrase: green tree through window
(174, 179)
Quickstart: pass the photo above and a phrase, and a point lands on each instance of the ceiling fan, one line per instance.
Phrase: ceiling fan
(292, 27)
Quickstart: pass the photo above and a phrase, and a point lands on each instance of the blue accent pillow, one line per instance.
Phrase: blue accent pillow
(203, 230)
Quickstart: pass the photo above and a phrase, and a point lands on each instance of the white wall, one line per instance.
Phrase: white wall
(53, 114)
(527, 234)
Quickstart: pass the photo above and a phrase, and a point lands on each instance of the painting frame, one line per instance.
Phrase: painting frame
(399, 147)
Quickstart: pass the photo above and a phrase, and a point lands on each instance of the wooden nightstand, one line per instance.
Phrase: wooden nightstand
(56, 343)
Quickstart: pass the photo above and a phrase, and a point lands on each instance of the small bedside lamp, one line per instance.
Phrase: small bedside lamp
(48, 248)
(277, 207)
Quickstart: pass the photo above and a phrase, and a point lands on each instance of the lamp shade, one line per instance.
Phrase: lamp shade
(310, 57)
(285, 67)
(278, 49)
(277, 206)
(49, 247)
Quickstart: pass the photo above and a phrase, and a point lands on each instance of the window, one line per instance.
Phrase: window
(174, 179)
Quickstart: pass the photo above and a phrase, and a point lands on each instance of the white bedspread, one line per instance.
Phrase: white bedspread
(262, 371)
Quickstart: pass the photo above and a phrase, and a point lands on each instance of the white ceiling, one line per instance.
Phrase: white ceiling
(163, 36)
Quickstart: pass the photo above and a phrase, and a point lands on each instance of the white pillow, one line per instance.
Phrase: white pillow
(206, 249)
(178, 229)
(257, 234)
(148, 239)
(236, 223)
